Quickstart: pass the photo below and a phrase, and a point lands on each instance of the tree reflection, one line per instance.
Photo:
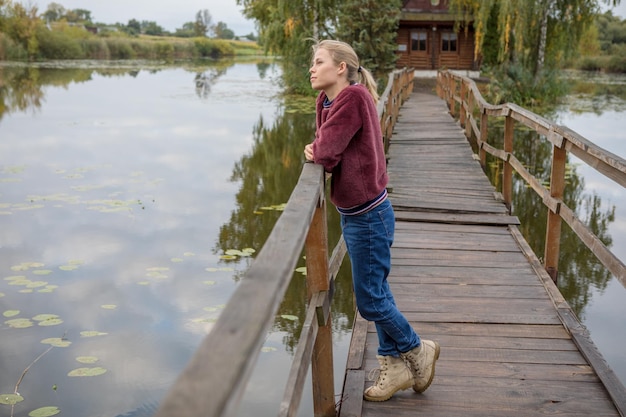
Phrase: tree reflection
(268, 175)
(579, 269)
(22, 88)
(206, 78)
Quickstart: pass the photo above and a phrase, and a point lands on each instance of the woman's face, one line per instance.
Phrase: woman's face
(325, 74)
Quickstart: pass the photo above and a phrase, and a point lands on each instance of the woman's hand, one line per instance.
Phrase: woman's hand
(308, 152)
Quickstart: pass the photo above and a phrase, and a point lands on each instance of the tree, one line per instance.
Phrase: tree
(203, 23)
(533, 33)
(54, 12)
(223, 32)
(187, 31)
(21, 24)
(133, 27)
(533, 39)
(371, 26)
(287, 29)
(82, 15)
(151, 28)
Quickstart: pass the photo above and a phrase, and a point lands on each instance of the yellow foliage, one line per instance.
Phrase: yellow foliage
(290, 25)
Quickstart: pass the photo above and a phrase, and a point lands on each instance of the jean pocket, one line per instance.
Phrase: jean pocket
(387, 219)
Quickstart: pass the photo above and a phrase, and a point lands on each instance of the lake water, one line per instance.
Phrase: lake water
(122, 187)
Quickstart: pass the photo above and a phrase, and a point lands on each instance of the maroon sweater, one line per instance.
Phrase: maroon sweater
(348, 143)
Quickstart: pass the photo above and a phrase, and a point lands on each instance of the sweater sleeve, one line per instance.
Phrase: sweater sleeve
(337, 128)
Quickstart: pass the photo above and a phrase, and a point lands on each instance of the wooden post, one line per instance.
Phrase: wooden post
(470, 114)
(316, 250)
(463, 105)
(507, 171)
(484, 121)
(553, 228)
(451, 91)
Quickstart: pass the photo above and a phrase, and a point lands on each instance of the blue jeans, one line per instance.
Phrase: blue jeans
(369, 237)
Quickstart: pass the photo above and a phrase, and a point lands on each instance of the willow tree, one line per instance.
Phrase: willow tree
(287, 27)
(533, 33)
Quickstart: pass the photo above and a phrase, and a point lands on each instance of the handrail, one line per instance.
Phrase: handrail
(214, 380)
(462, 91)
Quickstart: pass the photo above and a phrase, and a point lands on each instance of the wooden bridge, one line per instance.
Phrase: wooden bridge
(461, 271)
(464, 276)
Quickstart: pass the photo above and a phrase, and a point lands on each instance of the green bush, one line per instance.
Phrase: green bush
(210, 48)
(617, 63)
(143, 49)
(519, 85)
(184, 50)
(592, 63)
(10, 50)
(120, 49)
(58, 45)
(164, 50)
(96, 48)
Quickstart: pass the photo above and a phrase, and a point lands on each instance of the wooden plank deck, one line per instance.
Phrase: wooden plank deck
(463, 275)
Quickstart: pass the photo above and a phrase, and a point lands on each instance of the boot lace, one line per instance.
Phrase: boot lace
(373, 374)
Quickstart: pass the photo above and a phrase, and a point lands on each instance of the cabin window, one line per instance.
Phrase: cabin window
(448, 42)
(418, 40)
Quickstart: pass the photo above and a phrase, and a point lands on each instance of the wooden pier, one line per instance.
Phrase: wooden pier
(463, 275)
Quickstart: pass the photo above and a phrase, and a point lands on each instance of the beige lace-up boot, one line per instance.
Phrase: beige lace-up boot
(394, 375)
(422, 360)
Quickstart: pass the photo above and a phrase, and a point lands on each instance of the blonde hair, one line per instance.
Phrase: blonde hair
(343, 52)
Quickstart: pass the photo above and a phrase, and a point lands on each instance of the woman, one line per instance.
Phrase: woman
(348, 143)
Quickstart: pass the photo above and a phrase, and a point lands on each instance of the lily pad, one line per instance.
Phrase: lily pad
(87, 371)
(289, 317)
(91, 333)
(42, 317)
(15, 278)
(42, 271)
(209, 282)
(50, 322)
(48, 319)
(87, 359)
(36, 284)
(11, 313)
(11, 399)
(19, 323)
(109, 306)
(68, 267)
(56, 342)
(44, 412)
(20, 281)
(1, 294)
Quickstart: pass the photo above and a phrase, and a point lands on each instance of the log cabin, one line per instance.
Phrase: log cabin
(427, 39)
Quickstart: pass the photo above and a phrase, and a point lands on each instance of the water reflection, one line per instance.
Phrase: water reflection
(123, 173)
(23, 87)
(595, 92)
(267, 176)
(579, 270)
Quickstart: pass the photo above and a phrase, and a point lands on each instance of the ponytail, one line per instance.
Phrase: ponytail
(367, 79)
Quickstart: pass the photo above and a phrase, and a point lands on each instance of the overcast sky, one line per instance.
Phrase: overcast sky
(172, 15)
(168, 14)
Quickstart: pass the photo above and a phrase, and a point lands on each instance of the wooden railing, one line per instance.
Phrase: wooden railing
(215, 378)
(465, 101)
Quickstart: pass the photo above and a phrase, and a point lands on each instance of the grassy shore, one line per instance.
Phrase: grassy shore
(73, 43)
